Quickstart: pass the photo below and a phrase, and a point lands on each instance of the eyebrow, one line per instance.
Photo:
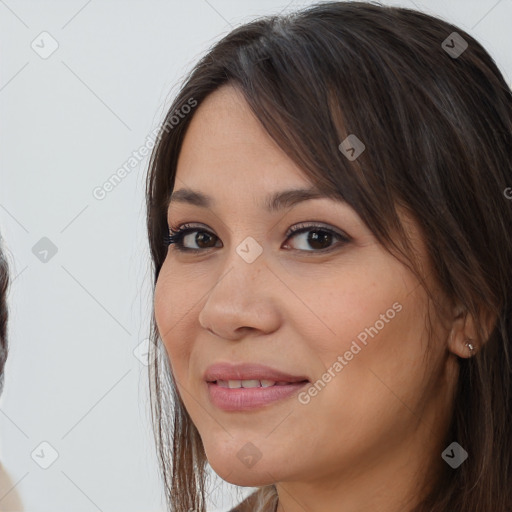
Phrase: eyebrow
(273, 203)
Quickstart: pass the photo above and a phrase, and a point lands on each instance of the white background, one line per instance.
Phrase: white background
(68, 122)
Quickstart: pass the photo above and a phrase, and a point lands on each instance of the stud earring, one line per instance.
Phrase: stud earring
(470, 346)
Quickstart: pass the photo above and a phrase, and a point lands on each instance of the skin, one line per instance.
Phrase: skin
(367, 439)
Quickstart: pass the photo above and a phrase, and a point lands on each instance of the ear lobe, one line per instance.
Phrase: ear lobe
(459, 334)
(464, 340)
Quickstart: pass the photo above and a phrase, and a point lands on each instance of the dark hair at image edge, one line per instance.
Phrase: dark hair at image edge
(4, 285)
(438, 137)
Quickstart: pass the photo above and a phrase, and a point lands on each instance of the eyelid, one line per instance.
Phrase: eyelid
(189, 225)
(302, 226)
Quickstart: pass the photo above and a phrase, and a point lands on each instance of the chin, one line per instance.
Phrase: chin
(245, 477)
(231, 467)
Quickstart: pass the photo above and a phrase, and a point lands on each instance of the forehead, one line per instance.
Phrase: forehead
(226, 146)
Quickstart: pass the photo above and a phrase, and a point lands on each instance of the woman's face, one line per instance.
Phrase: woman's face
(345, 315)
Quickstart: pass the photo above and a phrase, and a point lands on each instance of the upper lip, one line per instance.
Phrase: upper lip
(248, 371)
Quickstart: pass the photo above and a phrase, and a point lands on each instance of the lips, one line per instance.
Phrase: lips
(250, 386)
(222, 373)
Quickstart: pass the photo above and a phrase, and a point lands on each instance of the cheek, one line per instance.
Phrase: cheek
(382, 364)
(172, 298)
(161, 303)
(377, 326)
(348, 306)
(172, 313)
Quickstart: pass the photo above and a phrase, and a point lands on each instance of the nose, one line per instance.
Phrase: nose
(245, 298)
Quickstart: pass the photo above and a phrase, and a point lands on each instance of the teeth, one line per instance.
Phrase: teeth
(250, 383)
(233, 384)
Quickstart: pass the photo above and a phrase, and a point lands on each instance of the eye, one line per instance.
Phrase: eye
(182, 235)
(318, 237)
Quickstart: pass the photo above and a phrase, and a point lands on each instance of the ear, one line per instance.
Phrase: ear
(464, 331)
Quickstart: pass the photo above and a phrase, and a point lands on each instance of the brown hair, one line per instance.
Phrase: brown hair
(438, 134)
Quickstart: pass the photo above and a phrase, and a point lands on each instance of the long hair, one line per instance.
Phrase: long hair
(436, 119)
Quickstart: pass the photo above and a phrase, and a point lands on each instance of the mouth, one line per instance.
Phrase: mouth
(248, 386)
(253, 383)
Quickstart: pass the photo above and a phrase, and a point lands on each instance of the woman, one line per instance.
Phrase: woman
(333, 267)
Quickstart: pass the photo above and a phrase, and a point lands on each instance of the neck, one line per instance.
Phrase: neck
(387, 485)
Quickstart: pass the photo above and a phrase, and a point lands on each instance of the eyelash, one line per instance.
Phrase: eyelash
(176, 237)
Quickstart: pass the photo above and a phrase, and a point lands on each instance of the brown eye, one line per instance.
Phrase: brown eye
(316, 238)
(202, 239)
(185, 236)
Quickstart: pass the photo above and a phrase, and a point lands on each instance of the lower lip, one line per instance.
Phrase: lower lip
(242, 399)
